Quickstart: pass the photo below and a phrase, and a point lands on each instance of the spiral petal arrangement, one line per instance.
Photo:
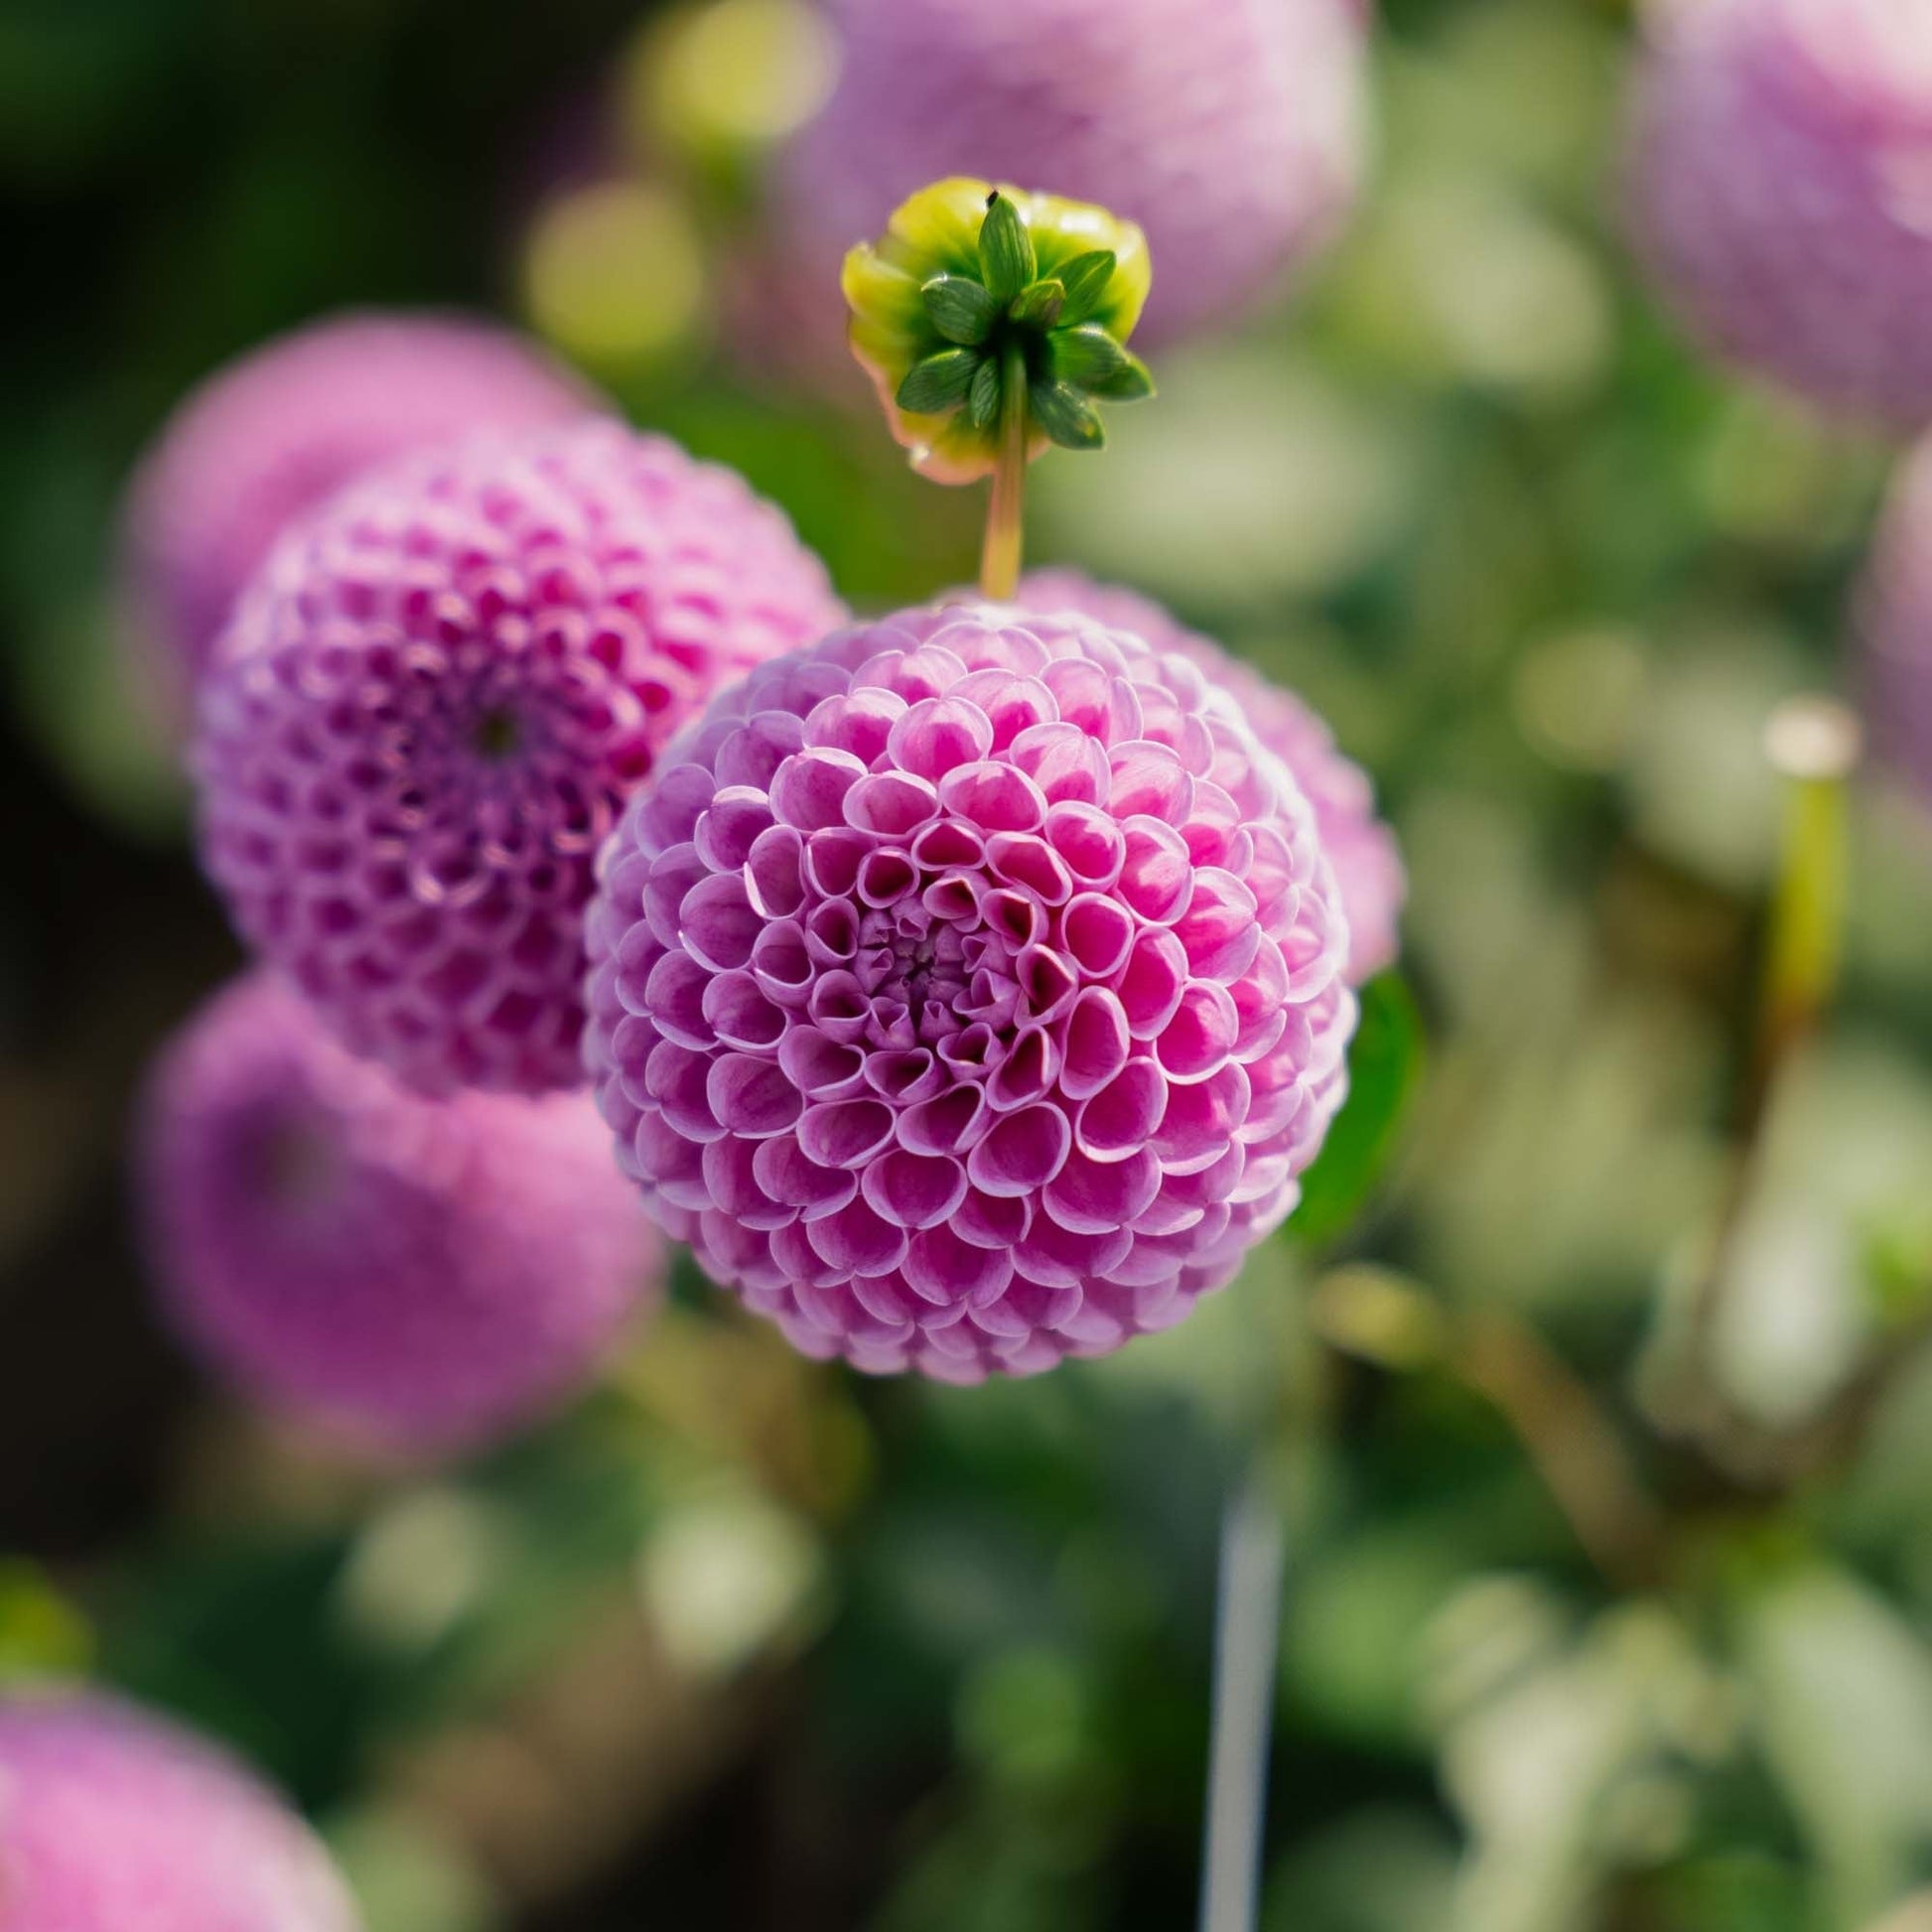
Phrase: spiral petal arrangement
(274, 435)
(1779, 191)
(1360, 846)
(114, 1821)
(431, 705)
(968, 990)
(422, 1274)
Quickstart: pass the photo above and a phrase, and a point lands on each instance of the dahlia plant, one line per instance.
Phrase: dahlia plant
(424, 1275)
(970, 988)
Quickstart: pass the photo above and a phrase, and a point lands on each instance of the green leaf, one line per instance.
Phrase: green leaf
(1130, 383)
(1039, 304)
(1085, 356)
(960, 309)
(1384, 1063)
(1086, 280)
(1067, 416)
(983, 398)
(939, 382)
(1006, 249)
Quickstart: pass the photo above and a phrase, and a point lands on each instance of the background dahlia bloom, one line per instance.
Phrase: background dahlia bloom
(1781, 190)
(114, 1821)
(968, 991)
(272, 435)
(1362, 847)
(422, 1274)
(1234, 134)
(430, 710)
(1894, 621)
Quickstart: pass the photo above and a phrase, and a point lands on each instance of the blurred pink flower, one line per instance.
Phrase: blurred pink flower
(114, 1821)
(1360, 846)
(1781, 191)
(1894, 622)
(432, 705)
(1235, 134)
(968, 991)
(276, 431)
(422, 1274)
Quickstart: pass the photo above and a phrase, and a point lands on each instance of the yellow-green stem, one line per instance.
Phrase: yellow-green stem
(1000, 557)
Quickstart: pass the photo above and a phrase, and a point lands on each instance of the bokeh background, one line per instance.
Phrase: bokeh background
(743, 1642)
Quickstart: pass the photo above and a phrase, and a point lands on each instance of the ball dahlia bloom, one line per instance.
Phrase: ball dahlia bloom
(434, 702)
(1360, 846)
(272, 435)
(968, 991)
(1894, 622)
(1779, 170)
(1234, 134)
(114, 1821)
(420, 1274)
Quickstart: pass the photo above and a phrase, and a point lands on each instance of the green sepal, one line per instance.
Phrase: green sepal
(941, 381)
(1130, 383)
(1006, 249)
(1086, 280)
(1067, 416)
(983, 398)
(1085, 356)
(960, 308)
(1039, 304)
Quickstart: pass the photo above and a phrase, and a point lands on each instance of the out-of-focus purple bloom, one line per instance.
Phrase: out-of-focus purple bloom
(422, 1274)
(1360, 846)
(968, 991)
(114, 1821)
(1234, 134)
(430, 710)
(274, 434)
(1781, 192)
(1894, 605)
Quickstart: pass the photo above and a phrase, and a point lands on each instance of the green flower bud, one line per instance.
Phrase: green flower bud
(979, 300)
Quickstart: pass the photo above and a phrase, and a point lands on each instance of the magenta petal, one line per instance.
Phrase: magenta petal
(1199, 1039)
(1027, 1072)
(886, 878)
(1068, 766)
(949, 1123)
(752, 1097)
(1048, 981)
(1200, 1121)
(820, 1068)
(856, 722)
(948, 846)
(675, 1077)
(1219, 930)
(1149, 779)
(833, 858)
(859, 1239)
(788, 1173)
(1058, 1257)
(1096, 1043)
(993, 796)
(741, 1015)
(992, 1220)
(946, 1269)
(1030, 864)
(938, 735)
(674, 998)
(1157, 876)
(667, 815)
(781, 964)
(893, 803)
(774, 879)
(808, 789)
(1099, 1197)
(1022, 1152)
(752, 754)
(844, 1133)
(730, 1172)
(1091, 843)
(716, 922)
(1122, 1116)
(917, 1190)
(1096, 935)
(1151, 981)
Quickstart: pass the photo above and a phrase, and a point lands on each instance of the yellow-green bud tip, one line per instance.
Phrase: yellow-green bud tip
(977, 299)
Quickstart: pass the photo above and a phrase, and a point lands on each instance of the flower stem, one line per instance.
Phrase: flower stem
(1000, 557)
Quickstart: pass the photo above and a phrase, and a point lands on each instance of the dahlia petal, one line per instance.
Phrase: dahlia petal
(916, 1190)
(1121, 1117)
(1097, 1043)
(1022, 1152)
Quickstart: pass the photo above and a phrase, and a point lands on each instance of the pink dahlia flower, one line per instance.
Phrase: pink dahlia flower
(114, 1821)
(422, 1274)
(1780, 190)
(1234, 133)
(1895, 627)
(1359, 845)
(431, 705)
(968, 991)
(272, 435)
